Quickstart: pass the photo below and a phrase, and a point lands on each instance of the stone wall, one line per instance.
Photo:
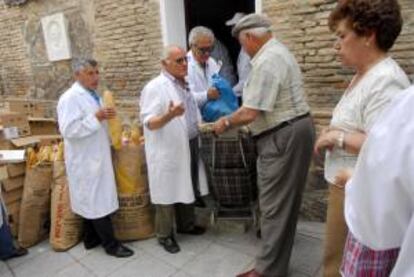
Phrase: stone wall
(123, 35)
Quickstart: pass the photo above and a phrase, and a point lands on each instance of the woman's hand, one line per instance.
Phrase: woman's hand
(327, 140)
(343, 176)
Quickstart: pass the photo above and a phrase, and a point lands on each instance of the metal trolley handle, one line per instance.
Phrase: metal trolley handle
(214, 148)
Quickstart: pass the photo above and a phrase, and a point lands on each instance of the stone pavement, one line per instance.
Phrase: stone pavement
(218, 253)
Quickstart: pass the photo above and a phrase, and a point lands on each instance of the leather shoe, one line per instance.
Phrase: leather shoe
(196, 230)
(121, 251)
(169, 244)
(250, 273)
(18, 252)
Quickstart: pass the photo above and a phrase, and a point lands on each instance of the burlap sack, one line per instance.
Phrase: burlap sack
(130, 169)
(135, 218)
(35, 207)
(66, 226)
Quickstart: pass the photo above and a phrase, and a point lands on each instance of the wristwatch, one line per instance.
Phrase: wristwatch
(227, 123)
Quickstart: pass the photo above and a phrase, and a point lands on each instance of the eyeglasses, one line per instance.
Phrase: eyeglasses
(204, 50)
(181, 60)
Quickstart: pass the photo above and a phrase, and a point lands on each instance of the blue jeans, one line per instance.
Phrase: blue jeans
(6, 240)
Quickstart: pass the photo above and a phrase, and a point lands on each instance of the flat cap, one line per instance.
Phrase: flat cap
(251, 21)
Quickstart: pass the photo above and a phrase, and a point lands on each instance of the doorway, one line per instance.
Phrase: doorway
(214, 14)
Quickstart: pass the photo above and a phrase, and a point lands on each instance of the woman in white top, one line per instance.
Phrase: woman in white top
(366, 30)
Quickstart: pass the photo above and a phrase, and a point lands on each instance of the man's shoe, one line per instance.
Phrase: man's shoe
(121, 251)
(169, 244)
(250, 273)
(18, 252)
(199, 203)
(196, 230)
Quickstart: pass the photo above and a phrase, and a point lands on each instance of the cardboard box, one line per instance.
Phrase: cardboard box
(3, 172)
(17, 106)
(8, 120)
(12, 196)
(11, 184)
(43, 126)
(16, 169)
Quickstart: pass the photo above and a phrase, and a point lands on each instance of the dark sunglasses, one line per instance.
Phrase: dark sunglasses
(204, 50)
(181, 60)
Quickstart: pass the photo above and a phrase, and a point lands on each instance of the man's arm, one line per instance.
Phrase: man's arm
(157, 122)
(241, 117)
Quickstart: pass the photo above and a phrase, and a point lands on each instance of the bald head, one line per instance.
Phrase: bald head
(174, 61)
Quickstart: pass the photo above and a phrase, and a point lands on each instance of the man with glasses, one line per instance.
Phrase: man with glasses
(201, 66)
(170, 117)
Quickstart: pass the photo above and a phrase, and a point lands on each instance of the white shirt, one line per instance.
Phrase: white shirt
(379, 199)
(360, 106)
(221, 55)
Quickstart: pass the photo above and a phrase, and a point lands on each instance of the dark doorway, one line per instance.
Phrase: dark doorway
(213, 14)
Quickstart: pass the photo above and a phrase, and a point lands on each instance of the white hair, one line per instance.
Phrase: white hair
(198, 32)
(258, 32)
(166, 52)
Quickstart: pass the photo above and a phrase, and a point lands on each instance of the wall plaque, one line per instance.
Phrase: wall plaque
(55, 33)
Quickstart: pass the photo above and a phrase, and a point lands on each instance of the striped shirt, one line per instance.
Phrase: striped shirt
(274, 87)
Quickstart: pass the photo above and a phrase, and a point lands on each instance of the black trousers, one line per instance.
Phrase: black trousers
(194, 152)
(100, 230)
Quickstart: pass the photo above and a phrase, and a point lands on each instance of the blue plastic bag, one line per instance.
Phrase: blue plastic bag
(224, 105)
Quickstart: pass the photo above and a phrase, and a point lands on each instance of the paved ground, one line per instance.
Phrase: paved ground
(221, 252)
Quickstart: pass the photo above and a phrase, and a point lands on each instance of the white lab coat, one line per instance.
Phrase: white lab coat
(199, 79)
(167, 149)
(379, 199)
(243, 70)
(88, 160)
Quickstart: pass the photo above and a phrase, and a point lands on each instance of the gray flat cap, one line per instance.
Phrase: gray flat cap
(251, 21)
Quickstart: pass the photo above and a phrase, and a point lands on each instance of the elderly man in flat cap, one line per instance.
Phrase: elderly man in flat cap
(274, 106)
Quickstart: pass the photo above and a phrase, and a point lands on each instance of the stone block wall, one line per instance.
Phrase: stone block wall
(124, 36)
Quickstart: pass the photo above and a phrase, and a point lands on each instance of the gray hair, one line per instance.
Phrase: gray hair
(258, 32)
(166, 52)
(81, 63)
(199, 31)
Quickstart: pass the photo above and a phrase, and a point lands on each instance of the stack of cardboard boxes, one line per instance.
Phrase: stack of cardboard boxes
(23, 123)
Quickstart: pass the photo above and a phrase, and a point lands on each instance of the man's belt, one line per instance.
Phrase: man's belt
(280, 126)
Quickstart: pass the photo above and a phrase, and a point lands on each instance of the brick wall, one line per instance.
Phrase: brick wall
(123, 35)
(128, 44)
(303, 27)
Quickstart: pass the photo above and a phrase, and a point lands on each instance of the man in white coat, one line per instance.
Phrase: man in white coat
(201, 67)
(243, 60)
(170, 117)
(92, 188)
